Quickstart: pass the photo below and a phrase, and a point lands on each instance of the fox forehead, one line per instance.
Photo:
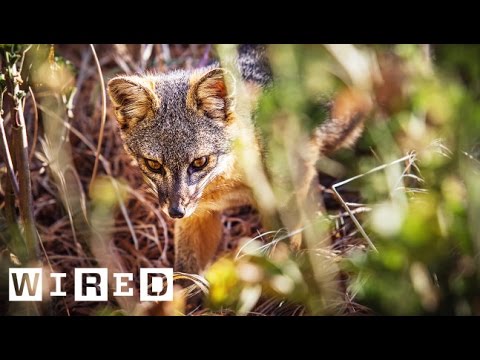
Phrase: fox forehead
(177, 137)
(177, 141)
(172, 88)
(177, 133)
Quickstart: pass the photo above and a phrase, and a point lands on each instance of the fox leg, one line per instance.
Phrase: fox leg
(196, 241)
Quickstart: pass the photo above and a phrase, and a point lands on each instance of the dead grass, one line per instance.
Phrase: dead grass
(153, 232)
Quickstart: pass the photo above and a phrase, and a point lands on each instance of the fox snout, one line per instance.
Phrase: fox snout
(176, 212)
(177, 207)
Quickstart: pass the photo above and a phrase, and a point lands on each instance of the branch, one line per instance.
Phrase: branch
(23, 167)
(5, 150)
(104, 117)
(35, 125)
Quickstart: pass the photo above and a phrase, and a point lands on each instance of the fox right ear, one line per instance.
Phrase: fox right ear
(208, 94)
(134, 99)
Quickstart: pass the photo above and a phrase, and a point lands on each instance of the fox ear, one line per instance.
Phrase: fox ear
(208, 94)
(134, 99)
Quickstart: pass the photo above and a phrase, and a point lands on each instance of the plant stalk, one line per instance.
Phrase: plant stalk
(20, 150)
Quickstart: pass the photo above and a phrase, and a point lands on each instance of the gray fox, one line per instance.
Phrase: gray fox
(180, 128)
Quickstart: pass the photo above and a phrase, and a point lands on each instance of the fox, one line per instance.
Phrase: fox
(180, 128)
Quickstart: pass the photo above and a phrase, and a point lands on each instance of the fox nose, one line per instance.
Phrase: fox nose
(177, 212)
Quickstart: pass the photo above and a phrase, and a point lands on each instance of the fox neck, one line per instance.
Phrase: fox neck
(230, 188)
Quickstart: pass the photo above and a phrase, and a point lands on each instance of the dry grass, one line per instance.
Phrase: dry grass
(141, 236)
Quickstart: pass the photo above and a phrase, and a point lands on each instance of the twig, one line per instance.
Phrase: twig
(145, 54)
(166, 53)
(104, 117)
(124, 59)
(159, 217)
(17, 241)
(471, 157)
(203, 61)
(378, 168)
(276, 240)
(237, 256)
(23, 167)
(82, 74)
(64, 191)
(411, 161)
(198, 281)
(354, 219)
(426, 50)
(6, 151)
(410, 157)
(106, 167)
(23, 58)
(124, 211)
(35, 125)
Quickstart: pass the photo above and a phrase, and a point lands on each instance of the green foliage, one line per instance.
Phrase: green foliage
(238, 283)
(423, 217)
(429, 264)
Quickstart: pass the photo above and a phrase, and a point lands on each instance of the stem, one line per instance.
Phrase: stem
(23, 168)
(5, 150)
(35, 125)
(104, 117)
(16, 244)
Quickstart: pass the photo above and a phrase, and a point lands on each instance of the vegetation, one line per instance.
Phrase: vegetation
(399, 234)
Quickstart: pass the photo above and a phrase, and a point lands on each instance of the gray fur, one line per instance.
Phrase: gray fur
(254, 65)
(163, 119)
(175, 137)
(177, 134)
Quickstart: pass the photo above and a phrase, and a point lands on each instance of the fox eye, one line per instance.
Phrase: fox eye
(154, 166)
(199, 164)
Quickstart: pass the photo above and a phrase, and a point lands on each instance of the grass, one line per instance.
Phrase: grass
(91, 206)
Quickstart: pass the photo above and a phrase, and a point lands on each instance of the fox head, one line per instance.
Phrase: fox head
(176, 126)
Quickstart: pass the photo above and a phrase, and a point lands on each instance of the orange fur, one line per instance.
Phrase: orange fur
(197, 237)
(196, 240)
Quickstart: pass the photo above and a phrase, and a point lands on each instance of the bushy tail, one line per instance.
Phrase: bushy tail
(347, 114)
(346, 122)
(254, 64)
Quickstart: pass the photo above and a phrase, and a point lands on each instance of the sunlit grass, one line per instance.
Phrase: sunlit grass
(396, 225)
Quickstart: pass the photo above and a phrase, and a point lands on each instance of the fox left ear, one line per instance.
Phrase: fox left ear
(134, 99)
(208, 94)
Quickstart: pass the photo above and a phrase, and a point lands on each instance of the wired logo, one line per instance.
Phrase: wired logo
(91, 284)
